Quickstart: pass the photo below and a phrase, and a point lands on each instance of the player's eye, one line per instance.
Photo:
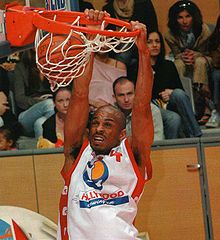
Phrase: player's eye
(107, 124)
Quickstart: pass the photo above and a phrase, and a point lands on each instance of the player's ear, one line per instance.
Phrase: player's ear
(122, 134)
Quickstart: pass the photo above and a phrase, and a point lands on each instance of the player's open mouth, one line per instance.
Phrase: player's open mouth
(98, 139)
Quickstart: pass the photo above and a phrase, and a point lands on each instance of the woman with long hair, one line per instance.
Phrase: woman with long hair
(53, 127)
(168, 90)
(186, 37)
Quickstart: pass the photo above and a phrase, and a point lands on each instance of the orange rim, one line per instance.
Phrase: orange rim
(62, 25)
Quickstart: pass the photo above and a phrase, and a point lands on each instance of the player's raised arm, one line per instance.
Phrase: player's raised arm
(78, 110)
(142, 126)
(77, 114)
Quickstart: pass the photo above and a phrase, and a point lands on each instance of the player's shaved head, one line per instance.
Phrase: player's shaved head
(116, 114)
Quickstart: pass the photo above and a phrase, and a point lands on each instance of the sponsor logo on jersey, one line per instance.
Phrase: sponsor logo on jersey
(92, 198)
(95, 174)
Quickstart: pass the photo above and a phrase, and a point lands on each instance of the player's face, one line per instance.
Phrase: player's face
(104, 132)
(154, 44)
(124, 95)
(62, 101)
(185, 20)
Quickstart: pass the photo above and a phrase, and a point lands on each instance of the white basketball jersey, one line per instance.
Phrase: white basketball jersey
(99, 200)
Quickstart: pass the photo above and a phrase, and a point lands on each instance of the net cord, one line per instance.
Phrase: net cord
(62, 73)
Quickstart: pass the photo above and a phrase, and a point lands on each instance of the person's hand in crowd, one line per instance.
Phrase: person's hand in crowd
(3, 103)
(165, 95)
(188, 57)
(8, 66)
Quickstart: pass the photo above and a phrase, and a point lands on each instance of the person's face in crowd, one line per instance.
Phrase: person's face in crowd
(105, 130)
(185, 21)
(4, 143)
(62, 101)
(154, 44)
(124, 95)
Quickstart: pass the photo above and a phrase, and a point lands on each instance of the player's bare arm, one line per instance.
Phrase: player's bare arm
(142, 125)
(77, 115)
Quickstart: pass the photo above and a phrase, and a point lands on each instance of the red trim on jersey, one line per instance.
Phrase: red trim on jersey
(68, 174)
(64, 196)
(141, 181)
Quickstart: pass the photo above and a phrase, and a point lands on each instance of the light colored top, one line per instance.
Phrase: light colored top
(101, 193)
(103, 76)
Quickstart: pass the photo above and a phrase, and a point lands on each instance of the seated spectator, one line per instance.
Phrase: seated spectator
(32, 95)
(124, 92)
(7, 118)
(9, 136)
(186, 37)
(11, 130)
(214, 52)
(105, 71)
(53, 127)
(131, 10)
(168, 89)
(7, 64)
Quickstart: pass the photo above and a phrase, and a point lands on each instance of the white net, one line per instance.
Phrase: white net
(61, 58)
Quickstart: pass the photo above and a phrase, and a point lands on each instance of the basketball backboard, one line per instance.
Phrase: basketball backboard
(5, 47)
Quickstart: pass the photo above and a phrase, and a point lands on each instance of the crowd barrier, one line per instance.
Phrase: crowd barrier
(180, 202)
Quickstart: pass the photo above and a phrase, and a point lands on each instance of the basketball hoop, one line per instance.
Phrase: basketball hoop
(66, 42)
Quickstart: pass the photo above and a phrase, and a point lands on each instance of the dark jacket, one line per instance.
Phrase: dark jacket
(9, 118)
(49, 129)
(24, 88)
(165, 76)
(4, 81)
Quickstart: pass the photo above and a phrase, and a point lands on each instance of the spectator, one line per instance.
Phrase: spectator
(7, 118)
(124, 92)
(7, 64)
(105, 71)
(11, 130)
(8, 137)
(186, 36)
(54, 125)
(132, 10)
(214, 53)
(32, 95)
(168, 89)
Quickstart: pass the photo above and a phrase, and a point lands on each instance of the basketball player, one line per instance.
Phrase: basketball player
(104, 181)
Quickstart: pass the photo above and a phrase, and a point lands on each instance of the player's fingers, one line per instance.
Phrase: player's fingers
(86, 12)
(98, 15)
(91, 14)
(135, 24)
(106, 14)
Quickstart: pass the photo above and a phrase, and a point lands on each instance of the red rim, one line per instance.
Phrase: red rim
(44, 20)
